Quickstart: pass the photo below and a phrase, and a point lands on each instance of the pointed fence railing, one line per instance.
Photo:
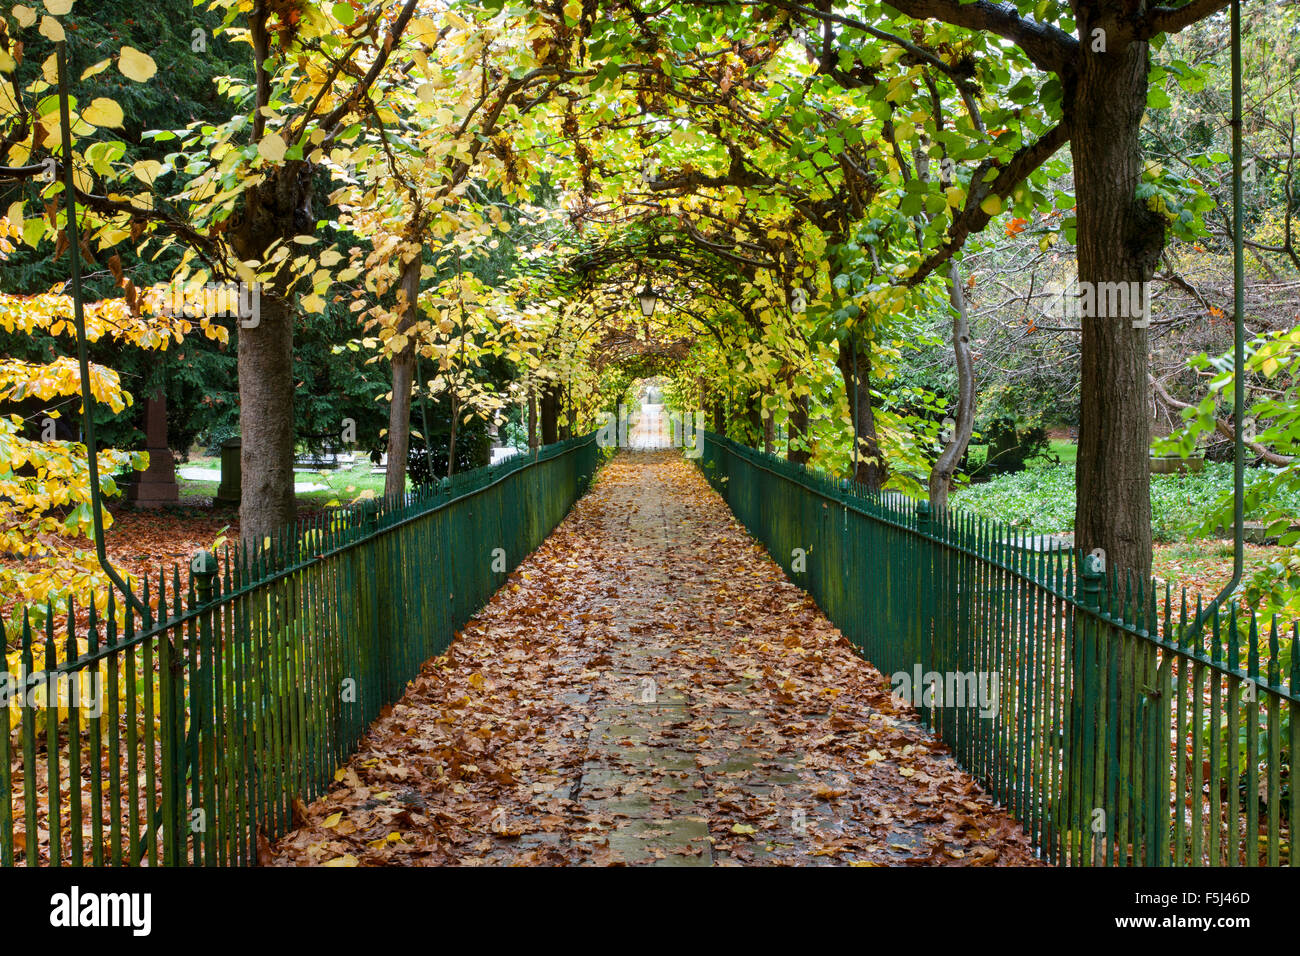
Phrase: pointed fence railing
(1077, 697)
(188, 736)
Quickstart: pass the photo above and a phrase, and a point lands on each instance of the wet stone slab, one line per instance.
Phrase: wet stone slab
(679, 841)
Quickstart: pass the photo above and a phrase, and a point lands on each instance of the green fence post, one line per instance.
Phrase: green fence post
(1081, 759)
(203, 568)
(922, 618)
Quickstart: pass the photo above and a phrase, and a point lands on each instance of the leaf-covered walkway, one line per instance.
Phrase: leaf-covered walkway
(649, 688)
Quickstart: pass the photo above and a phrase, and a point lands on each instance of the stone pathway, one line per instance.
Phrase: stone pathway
(649, 689)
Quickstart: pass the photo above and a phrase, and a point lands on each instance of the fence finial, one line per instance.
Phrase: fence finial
(203, 566)
(1090, 575)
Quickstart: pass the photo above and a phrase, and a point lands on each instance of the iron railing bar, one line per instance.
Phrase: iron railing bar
(1098, 614)
(69, 667)
(853, 505)
(79, 325)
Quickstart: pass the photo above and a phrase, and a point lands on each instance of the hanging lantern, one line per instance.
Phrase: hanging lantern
(648, 299)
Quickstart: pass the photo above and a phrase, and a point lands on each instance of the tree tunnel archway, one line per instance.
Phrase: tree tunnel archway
(836, 162)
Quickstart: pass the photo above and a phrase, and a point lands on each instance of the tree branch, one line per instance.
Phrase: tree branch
(1049, 48)
(1173, 19)
(1223, 427)
(332, 122)
(972, 217)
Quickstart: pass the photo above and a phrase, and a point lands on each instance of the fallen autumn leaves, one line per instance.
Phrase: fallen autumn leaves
(649, 688)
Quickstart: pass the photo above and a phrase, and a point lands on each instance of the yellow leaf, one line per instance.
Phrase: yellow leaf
(59, 7)
(332, 820)
(347, 859)
(98, 68)
(103, 112)
(24, 14)
(136, 65)
(83, 180)
(742, 828)
(992, 205)
(51, 29)
(272, 147)
(147, 170)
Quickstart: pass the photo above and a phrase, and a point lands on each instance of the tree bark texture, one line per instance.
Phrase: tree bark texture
(399, 409)
(855, 365)
(1119, 241)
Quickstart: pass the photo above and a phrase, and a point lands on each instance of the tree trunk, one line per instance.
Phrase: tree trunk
(266, 392)
(798, 436)
(1119, 241)
(399, 423)
(719, 416)
(754, 414)
(452, 429)
(855, 366)
(399, 409)
(769, 434)
(277, 208)
(570, 426)
(954, 449)
(532, 419)
(550, 414)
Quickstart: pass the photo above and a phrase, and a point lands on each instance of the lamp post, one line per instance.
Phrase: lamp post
(648, 299)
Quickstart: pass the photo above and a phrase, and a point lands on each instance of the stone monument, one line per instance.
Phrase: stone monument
(156, 485)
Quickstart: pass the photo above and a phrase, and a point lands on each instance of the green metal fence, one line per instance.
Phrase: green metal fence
(1115, 738)
(194, 732)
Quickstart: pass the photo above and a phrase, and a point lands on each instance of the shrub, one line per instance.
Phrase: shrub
(1042, 500)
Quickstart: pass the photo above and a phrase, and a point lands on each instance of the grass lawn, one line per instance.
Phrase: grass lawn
(1064, 449)
(344, 485)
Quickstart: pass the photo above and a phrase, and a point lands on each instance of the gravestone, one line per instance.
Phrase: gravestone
(228, 491)
(156, 485)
